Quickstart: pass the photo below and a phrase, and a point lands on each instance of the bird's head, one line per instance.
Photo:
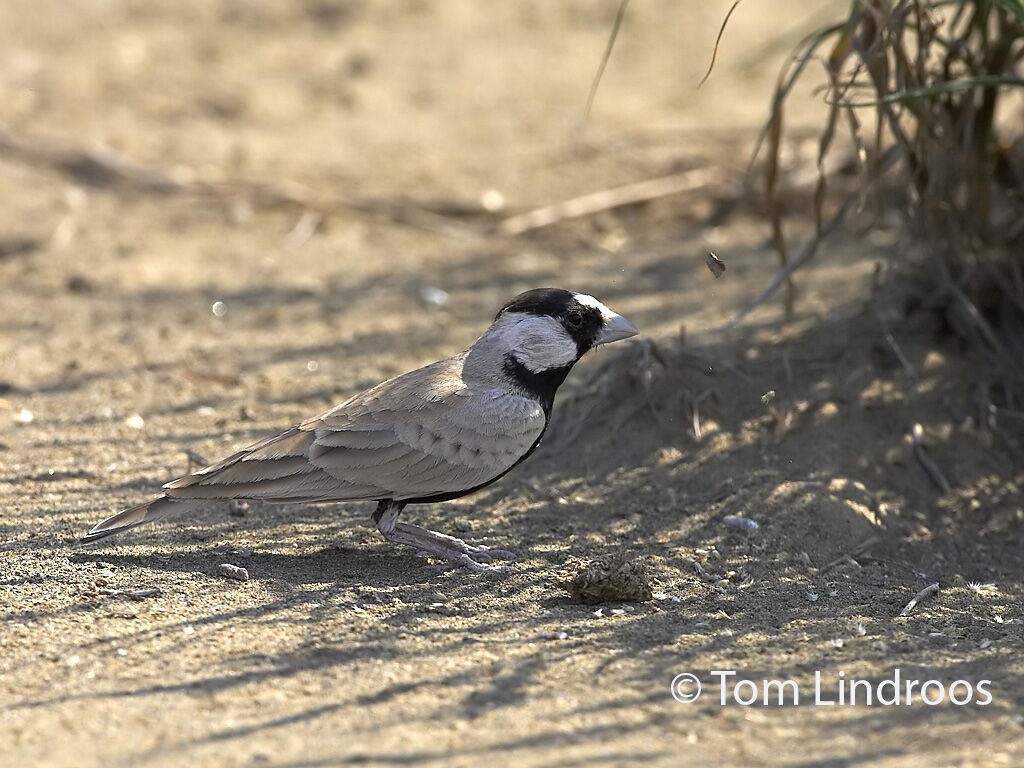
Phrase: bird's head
(543, 332)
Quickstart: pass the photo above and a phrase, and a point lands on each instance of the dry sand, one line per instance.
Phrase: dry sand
(342, 649)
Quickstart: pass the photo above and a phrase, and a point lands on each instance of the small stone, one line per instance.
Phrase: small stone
(492, 200)
(436, 297)
(233, 572)
(238, 507)
(741, 523)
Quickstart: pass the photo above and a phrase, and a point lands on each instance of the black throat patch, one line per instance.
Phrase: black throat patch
(541, 386)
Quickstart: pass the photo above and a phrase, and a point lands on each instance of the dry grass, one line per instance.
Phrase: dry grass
(928, 98)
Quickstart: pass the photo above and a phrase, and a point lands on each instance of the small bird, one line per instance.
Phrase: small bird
(433, 434)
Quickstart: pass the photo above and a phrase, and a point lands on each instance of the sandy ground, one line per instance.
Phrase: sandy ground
(341, 649)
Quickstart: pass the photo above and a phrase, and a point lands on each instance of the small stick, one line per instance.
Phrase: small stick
(106, 168)
(907, 367)
(606, 200)
(607, 55)
(846, 559)
(927, 462)
(195, 458)
(928, 591)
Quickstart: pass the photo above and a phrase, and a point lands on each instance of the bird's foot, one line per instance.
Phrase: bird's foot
(455, 551)
(452, 543)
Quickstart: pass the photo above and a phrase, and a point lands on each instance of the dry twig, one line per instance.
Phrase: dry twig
(608, 199)
(714, 51)
(928, 591)
(927, 462)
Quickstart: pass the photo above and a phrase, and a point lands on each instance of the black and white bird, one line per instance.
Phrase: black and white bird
(433, 434)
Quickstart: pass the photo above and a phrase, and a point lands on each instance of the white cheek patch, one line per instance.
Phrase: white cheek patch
(541, 343)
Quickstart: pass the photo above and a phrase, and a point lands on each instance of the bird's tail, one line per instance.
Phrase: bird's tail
(147, 512)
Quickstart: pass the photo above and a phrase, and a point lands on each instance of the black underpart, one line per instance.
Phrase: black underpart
(582, 322)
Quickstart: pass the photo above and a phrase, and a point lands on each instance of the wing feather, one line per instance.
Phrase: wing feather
(426, 433)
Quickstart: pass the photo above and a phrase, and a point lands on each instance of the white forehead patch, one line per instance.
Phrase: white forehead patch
(589, 301)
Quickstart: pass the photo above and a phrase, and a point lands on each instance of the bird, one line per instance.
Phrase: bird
(439, 432)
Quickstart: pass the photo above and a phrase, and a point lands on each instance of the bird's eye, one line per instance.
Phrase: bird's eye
(574, 319)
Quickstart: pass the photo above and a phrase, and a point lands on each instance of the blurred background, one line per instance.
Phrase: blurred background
(220, 217)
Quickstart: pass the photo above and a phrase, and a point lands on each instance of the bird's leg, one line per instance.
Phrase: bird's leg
(446, 547)
(451, 542)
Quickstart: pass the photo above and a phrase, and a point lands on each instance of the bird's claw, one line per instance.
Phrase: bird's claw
(487, 553)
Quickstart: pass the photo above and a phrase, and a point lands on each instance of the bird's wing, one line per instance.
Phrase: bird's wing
(422, 434)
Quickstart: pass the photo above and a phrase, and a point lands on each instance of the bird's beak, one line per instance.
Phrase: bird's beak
(616, 328)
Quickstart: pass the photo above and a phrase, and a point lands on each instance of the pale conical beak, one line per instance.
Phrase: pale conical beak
(616, 328)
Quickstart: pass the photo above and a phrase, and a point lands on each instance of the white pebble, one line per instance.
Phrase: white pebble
(435, 296)
(233, 572)
(740, 523)
(492, 200)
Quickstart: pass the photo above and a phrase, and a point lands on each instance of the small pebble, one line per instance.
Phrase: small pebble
(238, 507)
(740, 523)
(552, 635)
(492, 200)
(434, 296)
(142, 594)
(233, 572)
(24, 416)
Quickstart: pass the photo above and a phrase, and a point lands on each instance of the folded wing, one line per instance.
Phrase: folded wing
(427, 433)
